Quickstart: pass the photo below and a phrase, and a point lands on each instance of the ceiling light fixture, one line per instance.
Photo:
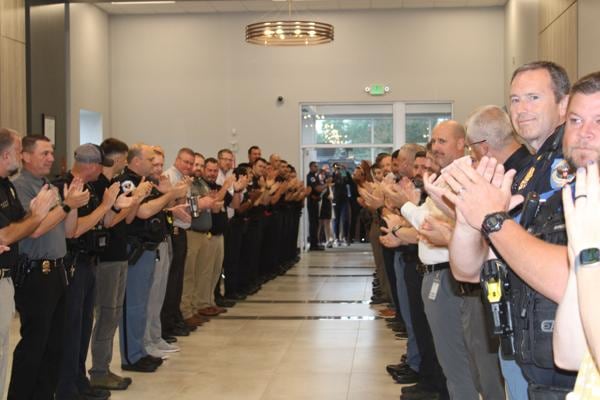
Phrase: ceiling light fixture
(289, 33)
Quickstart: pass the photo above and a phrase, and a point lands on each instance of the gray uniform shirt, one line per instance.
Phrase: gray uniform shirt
(52, 244)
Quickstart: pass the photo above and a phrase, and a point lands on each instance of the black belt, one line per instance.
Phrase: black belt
(5, 273)
(46, 265)
(466, 288)
(429, 268)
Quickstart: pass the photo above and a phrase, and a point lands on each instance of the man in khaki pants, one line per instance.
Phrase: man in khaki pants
(198, 238)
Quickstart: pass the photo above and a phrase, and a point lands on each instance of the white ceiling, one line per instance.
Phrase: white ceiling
(225, 6)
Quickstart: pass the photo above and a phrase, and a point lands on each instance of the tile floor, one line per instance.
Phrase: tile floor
(266, 348)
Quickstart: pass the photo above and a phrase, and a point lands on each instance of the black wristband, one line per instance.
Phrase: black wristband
(66, 208)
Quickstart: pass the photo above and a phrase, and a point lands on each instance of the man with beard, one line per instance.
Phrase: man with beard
(575, 339)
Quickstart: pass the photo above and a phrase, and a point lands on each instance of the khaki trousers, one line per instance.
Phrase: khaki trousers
(203, 265)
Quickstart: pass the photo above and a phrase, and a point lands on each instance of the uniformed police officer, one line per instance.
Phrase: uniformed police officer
(41, 295)
(146, 232)
(312, 204)
(14, 226)
(538, 276)
(111, 272)
(84, 245)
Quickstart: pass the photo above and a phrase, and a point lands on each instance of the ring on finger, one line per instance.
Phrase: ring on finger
(581, 196)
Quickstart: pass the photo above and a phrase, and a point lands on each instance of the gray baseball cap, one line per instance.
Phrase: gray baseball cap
(90, 153)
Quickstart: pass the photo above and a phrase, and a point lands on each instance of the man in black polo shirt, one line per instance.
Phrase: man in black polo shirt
(40, 297)
(147, 230)
(312, 204)
(87, 242)
(14, 226)
(111, 274)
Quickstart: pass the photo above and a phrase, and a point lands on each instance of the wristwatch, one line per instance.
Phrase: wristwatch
(66, 208)
(493, 222)
(587, 257)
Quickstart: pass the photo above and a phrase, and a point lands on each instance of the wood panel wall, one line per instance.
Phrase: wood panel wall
(558, 34)
(13, 106)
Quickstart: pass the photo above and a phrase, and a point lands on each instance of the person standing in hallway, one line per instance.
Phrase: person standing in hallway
(312, 204)
(186, 164)
(16, 224)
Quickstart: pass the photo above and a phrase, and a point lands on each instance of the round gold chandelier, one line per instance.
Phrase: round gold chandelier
(289, 32)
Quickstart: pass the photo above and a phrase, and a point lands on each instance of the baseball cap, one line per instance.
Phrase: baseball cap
(90, 153)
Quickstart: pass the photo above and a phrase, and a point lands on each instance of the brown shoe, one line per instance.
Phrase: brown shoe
(220, 310)
(208, 312)
(202, 318)
(193, 321)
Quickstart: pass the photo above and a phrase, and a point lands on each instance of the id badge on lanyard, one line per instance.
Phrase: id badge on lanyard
(435, 287)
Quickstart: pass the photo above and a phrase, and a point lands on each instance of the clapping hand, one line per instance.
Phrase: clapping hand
(582, 216)
(435, 232)
(41, 204)
(75, 195)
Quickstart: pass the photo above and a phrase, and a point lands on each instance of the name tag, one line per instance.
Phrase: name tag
(435, 287)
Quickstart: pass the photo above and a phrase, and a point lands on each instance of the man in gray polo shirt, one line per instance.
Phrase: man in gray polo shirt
(41, 297)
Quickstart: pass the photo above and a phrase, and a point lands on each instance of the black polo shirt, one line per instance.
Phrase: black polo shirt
(95, 200)
(219, 220)
(11, 211)
(153, 229)
(116, 250)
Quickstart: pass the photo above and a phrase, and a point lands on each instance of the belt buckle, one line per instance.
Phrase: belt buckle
(176, 230)
(209, 235)
(46, 266)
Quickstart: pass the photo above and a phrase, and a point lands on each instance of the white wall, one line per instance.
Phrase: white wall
(190, 79)
(521, 36)
(588, 35)
(89, 82)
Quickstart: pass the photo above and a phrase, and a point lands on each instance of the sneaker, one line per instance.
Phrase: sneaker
(166, 347)
(109, 382)
(156, 353)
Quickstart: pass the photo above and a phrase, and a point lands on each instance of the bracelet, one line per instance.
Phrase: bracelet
(396, 229)
(115, 209)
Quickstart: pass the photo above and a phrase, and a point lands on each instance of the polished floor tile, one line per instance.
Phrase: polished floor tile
(310, 334)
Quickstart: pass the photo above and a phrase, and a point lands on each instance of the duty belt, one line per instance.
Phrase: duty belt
(429, 268)
(466, 288)
(46, 265)
(5, 273)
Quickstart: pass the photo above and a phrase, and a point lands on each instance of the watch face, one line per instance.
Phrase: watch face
(589, 256)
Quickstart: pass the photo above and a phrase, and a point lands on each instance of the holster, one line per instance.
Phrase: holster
(20, 271)
(136, 250)
(543, 392)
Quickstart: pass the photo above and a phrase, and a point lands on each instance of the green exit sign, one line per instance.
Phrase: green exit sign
(377, 90)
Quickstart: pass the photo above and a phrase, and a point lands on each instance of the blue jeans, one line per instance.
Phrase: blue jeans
(516, 385)
(135, 311)
(413, 358)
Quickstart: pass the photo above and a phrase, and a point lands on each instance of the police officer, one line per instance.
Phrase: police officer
(111, 273)
(146, 232)
(537, 277)
(312, 204)
(14, 226)
(84, 244)
(42, 278)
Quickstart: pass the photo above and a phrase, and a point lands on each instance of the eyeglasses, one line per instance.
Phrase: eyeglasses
(470, 146)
